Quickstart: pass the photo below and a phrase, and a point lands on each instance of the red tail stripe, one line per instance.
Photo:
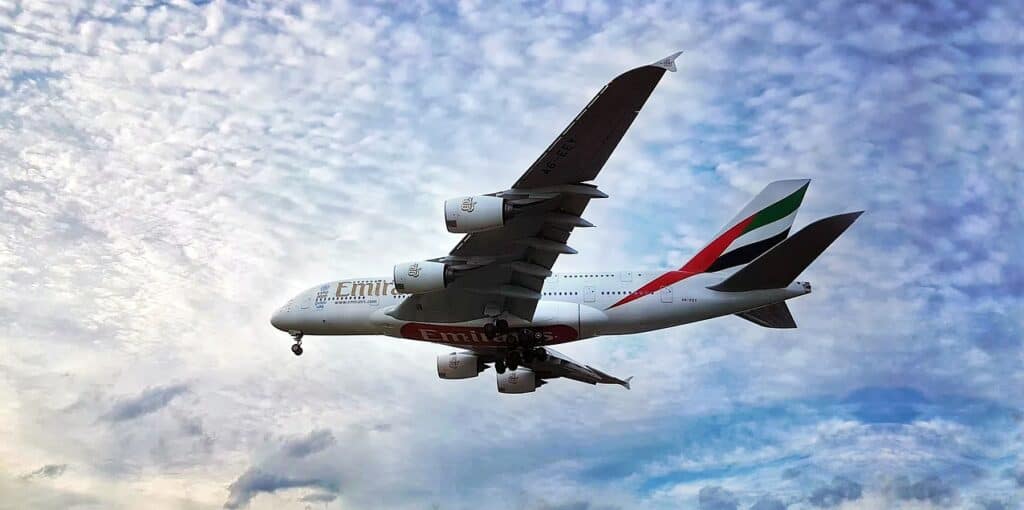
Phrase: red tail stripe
(698, 264)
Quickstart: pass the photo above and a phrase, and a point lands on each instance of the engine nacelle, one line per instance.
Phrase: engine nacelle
(517, 381)
(466, 215)
(459, 365)
(421, 277)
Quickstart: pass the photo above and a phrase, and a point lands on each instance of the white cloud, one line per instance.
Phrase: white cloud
(172, 172)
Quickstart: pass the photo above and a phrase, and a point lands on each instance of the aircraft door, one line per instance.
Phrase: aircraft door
(589, 296)
(666, 295)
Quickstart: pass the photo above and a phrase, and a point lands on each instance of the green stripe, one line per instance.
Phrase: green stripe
(778, 210)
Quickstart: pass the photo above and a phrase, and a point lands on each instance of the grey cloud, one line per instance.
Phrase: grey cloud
(839, 490)
(768, 503)
(316, 441)
(319, 497)
(255, 481)
(293, 464)
(149, 401)
(994, 504)
(930, 489)
(47, 471)
(717, 498)
(575, 505)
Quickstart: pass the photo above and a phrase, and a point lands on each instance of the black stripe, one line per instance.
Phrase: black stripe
(745, 254)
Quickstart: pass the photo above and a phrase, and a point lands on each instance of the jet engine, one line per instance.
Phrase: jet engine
(459, 365)
(466, 215)
(518, 381)
(421, 277)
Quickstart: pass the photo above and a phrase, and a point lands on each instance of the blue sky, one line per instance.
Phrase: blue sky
(173, 171)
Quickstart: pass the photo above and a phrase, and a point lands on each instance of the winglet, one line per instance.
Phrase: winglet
(625, 383)
(668, 63)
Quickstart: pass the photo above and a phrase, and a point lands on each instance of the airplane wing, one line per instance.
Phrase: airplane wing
(557, 365)
(504, 269)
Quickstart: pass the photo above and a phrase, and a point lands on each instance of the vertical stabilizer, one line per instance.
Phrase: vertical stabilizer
(762, 224)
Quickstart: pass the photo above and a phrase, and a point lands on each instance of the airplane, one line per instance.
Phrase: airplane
(495, 298)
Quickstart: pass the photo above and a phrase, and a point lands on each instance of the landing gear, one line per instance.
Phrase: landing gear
(297, 349)
(297, 346)
(512, 360)
(499, 367)
(495, 329)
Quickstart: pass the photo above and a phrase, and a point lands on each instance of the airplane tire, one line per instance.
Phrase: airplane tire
(502, 326)
(297, 349)
(490, 331)
(499, 367)
(537, 336)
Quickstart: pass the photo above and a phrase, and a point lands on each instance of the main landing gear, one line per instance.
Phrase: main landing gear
(297, 346)
(524, 348)
(496, 328)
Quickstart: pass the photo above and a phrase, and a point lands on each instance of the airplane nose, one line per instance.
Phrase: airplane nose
(277, 319)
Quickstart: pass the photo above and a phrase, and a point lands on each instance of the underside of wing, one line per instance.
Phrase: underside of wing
(503, 270)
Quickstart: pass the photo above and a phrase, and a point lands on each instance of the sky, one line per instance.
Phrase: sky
(171, 172)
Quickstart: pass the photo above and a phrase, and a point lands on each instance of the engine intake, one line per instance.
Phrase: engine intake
(517, 381)
(459, 365)
(421, 277)
(467, 215)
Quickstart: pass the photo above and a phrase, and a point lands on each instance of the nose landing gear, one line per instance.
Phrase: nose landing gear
(297, 346)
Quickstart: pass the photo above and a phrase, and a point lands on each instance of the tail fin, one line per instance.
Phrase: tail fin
(763, 223)
(782, 264)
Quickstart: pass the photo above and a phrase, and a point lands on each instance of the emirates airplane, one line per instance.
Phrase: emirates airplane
(495, 298)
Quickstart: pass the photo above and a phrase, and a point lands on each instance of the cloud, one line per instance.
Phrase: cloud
(316, 441)
(149, 401)
(173, 172)
(47, 471)
(319, 497)
(930, 489)
(835, 493)
(717, 498)
(290, 466)
(254, 481)
(768, 503)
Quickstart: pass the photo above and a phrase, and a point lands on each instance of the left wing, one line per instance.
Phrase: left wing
(503, 270)
(560, 365)
(556, 365)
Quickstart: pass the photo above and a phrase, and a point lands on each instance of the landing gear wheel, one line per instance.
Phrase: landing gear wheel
(537, 336)
(513, 360)
(297, 346)
(502, 326)
(499, 367)
(490, 331)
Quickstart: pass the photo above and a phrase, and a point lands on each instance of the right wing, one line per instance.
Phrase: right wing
(505, 269)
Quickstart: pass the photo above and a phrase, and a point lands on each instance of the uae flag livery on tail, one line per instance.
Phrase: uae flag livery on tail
(762, 224)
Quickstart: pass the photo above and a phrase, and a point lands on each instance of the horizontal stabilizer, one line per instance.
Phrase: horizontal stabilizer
(771, 316)
(779, 266)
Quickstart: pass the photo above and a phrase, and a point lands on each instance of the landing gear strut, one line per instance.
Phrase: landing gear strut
(297, 346)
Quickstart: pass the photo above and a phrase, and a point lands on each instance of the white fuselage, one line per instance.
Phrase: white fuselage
(573, 306)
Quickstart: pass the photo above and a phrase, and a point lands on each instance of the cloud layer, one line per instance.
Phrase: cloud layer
(173, 171)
